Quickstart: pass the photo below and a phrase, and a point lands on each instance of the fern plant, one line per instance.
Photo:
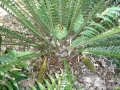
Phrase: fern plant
(90, 26)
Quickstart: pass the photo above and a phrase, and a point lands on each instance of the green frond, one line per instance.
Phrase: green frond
(25, 21)
(68, 79)
(115, 2)
(8, 62)
(53, 84)
(111, 10)
(33, 88)
(78, 23)
(41, 87)
(89, 17)
(104, 43)
(39, 13)
(107, 19)
(110, 51)
(15, 35)
(0, 43)
(20, 44)
(11, 61)
(86, 40)
(94, 30)
(6, 9)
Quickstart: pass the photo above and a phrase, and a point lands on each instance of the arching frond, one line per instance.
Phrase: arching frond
(13, 34)
(24, 19)
(85, 40)
(0, 43)
(96, 31)
(111, 51)
(115, 2)
(8, 62)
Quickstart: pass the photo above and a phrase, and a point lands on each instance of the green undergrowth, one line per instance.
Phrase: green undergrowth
(65, 82)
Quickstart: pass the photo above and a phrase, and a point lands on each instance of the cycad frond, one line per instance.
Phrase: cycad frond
(111, 51)
(23, 18)
(68, 79)
(87, 40)
(12, 34)
(8, 62)
(52, 85)
(0, 43)
(104, 42)
(115, 3)
(96, 31)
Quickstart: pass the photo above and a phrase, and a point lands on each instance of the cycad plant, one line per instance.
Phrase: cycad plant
(92, 25)
(86, 26)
